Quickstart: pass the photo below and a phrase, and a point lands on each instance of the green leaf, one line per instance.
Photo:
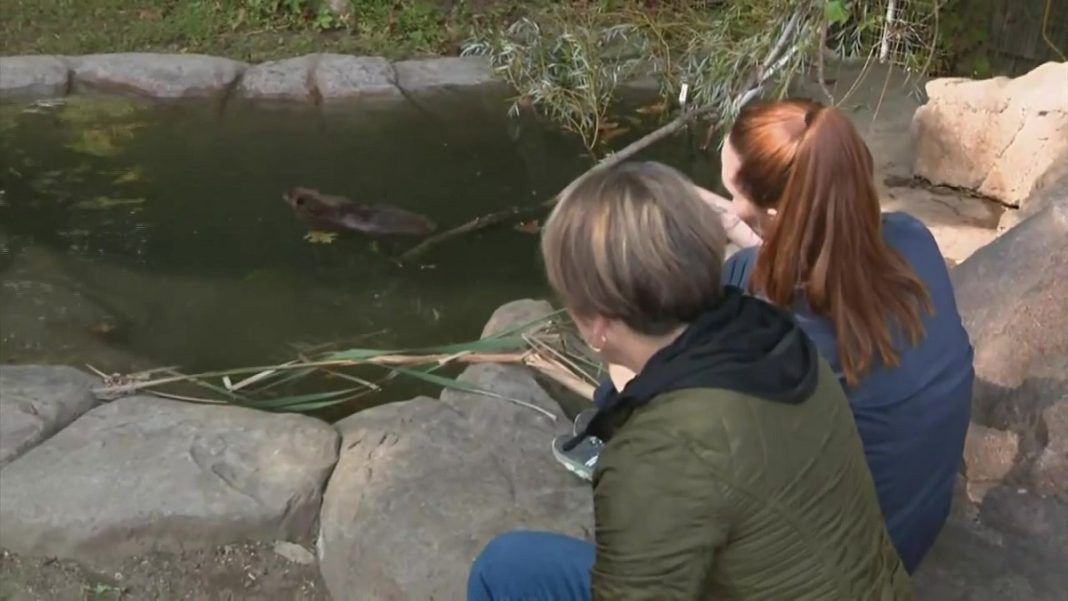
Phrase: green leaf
(475, 346)
(836, 12)
(455, 384)
(103, 202)
(297, 401)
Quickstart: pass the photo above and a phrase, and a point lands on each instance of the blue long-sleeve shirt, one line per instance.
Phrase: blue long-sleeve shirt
(912, 418)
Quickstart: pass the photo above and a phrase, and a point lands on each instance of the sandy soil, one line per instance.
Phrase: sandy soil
(232, 572)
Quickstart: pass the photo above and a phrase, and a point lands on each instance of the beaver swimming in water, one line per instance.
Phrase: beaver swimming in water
(330, 213)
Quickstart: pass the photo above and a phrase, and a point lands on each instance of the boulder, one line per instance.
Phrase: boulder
(516, 314)
(288, 80)
(341, 78)
(421, 486)
(33, 77)
(36, 401)
(996, 136)
(989, 455)
(1011, 294)
(165, 76)
(143, 474)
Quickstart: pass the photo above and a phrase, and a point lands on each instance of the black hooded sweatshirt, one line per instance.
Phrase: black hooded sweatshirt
(741, 343)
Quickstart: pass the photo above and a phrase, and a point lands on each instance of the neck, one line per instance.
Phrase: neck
(642, 348)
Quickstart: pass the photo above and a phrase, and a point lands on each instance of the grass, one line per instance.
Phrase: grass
(249, 30)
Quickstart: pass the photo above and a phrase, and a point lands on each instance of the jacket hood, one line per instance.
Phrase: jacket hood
(742, 344)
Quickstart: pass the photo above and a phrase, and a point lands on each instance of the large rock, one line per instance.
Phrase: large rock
(343, 78)
(997, 136)
(32, 77)
(287, 80)
(157, 75)
(518, 313)
(1011, 295)
(36, 401)
(144, 474)
(422, 485)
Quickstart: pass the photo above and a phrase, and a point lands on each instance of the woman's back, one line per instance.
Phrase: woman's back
(795, 502)
(913, 417)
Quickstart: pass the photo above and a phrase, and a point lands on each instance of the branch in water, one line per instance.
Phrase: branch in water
(767, 69)
(485, 221)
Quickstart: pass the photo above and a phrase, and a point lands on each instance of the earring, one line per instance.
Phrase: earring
(597, 349)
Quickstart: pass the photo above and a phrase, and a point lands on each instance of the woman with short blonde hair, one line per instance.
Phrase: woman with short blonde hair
(731, 468)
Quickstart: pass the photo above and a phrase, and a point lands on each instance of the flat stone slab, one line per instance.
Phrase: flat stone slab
(288, 80)
(143, 474)
(156, 75)
(428, 76)
(342, 78)
(421, 486)
(33, 77)
(36, 401)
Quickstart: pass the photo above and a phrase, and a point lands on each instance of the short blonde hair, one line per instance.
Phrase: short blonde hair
(635, 242)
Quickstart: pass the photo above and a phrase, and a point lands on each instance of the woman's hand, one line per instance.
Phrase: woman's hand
(737, 231)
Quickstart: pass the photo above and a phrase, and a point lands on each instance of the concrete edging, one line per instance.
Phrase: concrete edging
(317, 79)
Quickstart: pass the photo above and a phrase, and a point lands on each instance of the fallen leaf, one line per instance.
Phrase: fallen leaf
(103, 328)
(528, 227)
(131, 176)
(653, 109)
(610, 131)
(103, 202)
(316, 237)
(150, 14)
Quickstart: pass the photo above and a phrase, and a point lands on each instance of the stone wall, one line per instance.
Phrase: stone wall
(322, 79)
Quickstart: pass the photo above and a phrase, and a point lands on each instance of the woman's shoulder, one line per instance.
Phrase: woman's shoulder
(738, 267)
(899, 226)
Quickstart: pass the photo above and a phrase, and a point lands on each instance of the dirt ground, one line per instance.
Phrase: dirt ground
(229, 573)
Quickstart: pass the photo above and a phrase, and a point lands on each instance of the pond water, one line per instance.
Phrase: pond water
(146, 235)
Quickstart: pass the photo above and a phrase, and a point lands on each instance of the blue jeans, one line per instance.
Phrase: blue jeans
(524, 565)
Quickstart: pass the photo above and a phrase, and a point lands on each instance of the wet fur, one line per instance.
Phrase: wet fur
(327, 212)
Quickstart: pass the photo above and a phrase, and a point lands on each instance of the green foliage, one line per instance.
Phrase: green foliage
(835, 12)
(249, 30)
(569, 62)
(963, 34)
(416, 24)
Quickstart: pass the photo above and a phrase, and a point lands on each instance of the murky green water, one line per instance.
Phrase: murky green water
(157, 235)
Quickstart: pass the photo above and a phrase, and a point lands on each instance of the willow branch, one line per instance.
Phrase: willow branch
(478, 223)
(774, 61)
(611, 160)
(820, 75)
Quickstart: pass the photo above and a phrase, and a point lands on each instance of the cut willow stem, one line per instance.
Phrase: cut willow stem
(484, 221)
(820, 71)
(767, 69)
(560, 374)
(888, 27)
(383, 360)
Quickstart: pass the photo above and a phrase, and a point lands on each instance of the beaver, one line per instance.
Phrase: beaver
(330, 213)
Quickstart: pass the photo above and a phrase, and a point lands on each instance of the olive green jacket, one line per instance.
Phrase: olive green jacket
(712, 494)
